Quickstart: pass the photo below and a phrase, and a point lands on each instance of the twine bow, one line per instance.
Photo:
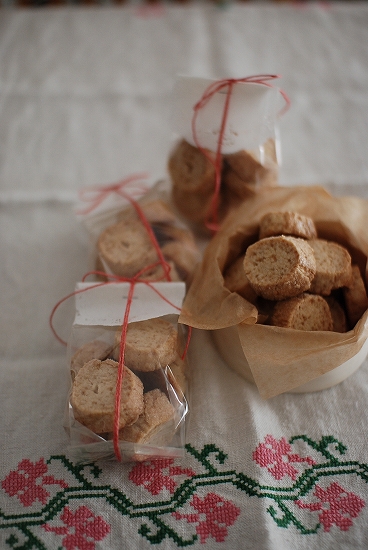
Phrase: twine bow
(97, 194)
(214, 88)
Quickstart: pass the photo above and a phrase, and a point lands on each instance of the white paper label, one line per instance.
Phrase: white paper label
(251, 117)
(105, 305)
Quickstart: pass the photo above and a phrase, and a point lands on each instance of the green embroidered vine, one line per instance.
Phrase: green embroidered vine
(286, 501)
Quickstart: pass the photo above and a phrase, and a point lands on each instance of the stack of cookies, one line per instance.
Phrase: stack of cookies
(130, 246)
(298, 280)
(153, 373)
(192, 174)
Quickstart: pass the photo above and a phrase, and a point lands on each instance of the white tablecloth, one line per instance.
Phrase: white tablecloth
(85, 99)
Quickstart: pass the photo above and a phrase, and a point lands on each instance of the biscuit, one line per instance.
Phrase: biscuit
(333, 266)
(93, 396)
(157, 413)
(236, 280)
(303, 312)
(179, 246)
(126, 247)
(157, 273)
(193, 206)
(242, 174)
(149, 344)
(356, 301)
(97, 349)
(287, 223)
(280, 267)
(191, 170)
(338, 314)
(157, 211)
(193, 181)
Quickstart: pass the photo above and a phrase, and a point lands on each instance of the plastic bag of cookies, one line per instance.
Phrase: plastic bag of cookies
(226, 146)
(136, 234)
(283, 286)
(129, 376)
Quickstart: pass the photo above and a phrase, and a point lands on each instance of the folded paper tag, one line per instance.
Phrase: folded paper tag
(105, 304)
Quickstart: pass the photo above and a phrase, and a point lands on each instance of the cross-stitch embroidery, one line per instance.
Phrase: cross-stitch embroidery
(308, 486)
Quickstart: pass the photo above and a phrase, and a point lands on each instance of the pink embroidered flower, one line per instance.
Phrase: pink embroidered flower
(276, 456)
(336, 506)
(82, 529)
(27, 482)
(156, 475)
(214, 515)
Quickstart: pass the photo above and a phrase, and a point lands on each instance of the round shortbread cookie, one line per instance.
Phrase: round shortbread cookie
(333, 266)
(93, 396)
(236, 280)
(178, 245)
(181, 248)
(242, 171)
(158, 411)
(287, 223)
(97, 349)
(149, 344)
(304, 312)
(157, 273)
(126, 248)
(193, 181)
(356, 301)
(190, 169)
(279, 267)
(194, 206)
(158, 211)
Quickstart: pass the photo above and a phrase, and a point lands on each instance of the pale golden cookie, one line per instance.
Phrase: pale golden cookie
(149, 344)
(242, 172)
(97, 349)
(236, 280)
(356, 301)
(287, 223)
(158, 273)
(93, 396)
(190, 169)
(333, 266)
(279, 267)
(158, 412)
(304, 312)
(126, 248)
(179, 246)
(193, 181)
(157, 211)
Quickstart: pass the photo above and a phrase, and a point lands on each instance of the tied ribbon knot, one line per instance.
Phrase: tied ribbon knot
(95, 196)
(226, 85)
(129, 188)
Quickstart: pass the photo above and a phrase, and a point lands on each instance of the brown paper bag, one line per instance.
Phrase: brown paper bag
(280, 359)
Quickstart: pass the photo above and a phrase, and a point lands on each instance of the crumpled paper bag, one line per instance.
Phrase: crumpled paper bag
(280, 359)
